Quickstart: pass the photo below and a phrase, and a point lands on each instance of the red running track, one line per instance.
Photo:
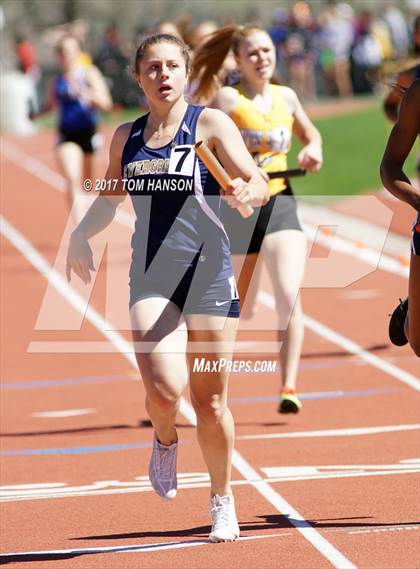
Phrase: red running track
(336, 485)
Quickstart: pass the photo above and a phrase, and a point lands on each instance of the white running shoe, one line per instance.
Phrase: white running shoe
(224, 523)
(162, 469)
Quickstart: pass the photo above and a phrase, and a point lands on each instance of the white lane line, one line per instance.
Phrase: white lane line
(348, 345)
(334, 432)
(381, 530)
(33, 166)
(52, 178)
(63, 413)
(337, 559)
(60, 284)
(20, 555)
(360, 294)
(186, 480)
(129, 548)
(368, 255)
(360, 233)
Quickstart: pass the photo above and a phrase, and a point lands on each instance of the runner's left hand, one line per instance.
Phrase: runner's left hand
(310, 157)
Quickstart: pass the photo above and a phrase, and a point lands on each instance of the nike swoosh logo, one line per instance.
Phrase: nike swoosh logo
(218, 303)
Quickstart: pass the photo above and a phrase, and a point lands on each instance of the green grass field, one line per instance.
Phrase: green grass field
(353, 148)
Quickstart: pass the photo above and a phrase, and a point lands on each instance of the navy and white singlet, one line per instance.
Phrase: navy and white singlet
(180, 249)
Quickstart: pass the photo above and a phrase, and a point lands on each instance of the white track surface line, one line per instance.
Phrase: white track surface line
(348, 345)
(33, 166)
(57, 182)
(185, 544)
(352, 228)
(193, 480)
(366, 254)
(336, 558)
(133, 548)
(63, 413)
(356, 431)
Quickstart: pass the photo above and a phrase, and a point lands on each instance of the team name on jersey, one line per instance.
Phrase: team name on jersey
(145, 167)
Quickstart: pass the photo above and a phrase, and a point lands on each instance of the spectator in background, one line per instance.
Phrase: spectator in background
(112, 60)
(278, 33)
(366, 56)
(201, 32)
(169, 28)
(27, 60)
(382, 35)
(415, 36)
(394, 19)
(405, 76)
(27, 56)
(336, 37)
(299, 51)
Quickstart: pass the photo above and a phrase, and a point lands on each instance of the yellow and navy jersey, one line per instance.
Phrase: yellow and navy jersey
(268, 136)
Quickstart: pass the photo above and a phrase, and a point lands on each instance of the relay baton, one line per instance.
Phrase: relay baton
(218, 172)
(293, 172)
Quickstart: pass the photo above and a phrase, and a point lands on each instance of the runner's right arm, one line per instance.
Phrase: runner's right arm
(400, 142)
(100, 214)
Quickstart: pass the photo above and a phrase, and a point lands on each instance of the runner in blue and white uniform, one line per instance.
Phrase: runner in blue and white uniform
(182, 289)
(78, 92)
(175, 196)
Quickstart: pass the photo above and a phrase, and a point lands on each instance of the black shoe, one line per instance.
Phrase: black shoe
(396, 324)
(289, 402)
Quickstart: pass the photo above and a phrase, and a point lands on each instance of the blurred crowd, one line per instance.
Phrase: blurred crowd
(338, 52)
(342, 51)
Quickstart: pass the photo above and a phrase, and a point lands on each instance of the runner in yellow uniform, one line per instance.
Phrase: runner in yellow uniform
(266, 115)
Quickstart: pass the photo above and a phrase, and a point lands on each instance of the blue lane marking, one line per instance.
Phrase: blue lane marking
(315, 395)
(131, 446)
(45, 383)
(76, 450)
(42, 383)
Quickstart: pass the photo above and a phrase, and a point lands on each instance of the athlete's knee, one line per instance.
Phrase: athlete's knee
(163, 400)
(163, 391)
(209, 409)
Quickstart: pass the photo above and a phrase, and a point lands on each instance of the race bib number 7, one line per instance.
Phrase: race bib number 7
(181, 161)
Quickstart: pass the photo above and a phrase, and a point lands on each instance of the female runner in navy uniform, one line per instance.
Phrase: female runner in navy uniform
(181, 280)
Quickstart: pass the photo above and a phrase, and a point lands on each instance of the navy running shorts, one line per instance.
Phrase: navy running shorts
(204, 288)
